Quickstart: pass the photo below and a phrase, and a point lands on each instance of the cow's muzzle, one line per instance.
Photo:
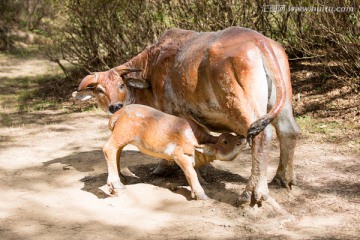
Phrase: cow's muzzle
(114, 107)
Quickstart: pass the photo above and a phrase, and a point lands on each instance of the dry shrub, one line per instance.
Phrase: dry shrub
(21, 19)
(101, 34)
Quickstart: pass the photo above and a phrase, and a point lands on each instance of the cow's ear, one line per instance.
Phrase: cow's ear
(206, 149)
(133, 77)
(82, 95)
(86, 87)
(137, 83)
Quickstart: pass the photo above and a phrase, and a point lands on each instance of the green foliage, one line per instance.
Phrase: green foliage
(328, 130)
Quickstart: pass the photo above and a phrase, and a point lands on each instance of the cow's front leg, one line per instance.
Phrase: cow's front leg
(256, 189)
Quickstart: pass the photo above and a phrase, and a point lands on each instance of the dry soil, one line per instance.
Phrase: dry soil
(53, 177)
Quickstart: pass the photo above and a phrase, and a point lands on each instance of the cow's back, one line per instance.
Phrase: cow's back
(210, 77)
(197, 84)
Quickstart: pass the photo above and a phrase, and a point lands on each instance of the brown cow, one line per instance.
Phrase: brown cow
(234, 80)
(165, 136)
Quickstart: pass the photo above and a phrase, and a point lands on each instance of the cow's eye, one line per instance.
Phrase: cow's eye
(225, 142)
(122, 86)
(100, 90)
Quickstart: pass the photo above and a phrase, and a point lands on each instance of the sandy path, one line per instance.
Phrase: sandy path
(53, 174)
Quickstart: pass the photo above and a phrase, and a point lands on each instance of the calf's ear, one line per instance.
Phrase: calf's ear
(206, 149)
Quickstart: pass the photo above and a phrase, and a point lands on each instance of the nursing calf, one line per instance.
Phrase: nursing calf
(168, 137)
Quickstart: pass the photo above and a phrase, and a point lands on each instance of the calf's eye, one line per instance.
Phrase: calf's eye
(121, 86)
(224, 142)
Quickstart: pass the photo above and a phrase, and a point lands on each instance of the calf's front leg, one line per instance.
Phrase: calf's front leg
(112, 155)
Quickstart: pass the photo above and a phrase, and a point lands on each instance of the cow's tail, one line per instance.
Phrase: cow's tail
(273, 71)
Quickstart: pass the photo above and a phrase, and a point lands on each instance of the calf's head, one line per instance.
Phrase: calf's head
(111, 87)
(227, 147)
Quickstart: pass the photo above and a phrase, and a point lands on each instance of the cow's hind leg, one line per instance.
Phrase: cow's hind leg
(256, 189)
(287, 132)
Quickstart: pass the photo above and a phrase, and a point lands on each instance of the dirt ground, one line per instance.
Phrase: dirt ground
(53, 177)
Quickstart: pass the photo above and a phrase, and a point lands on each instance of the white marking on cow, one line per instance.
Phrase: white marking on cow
(139, 114)
(189, 134)
(260, 90)
(170, 148)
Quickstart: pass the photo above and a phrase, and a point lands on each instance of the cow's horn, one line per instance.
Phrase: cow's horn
(88, 81)
(123, 71)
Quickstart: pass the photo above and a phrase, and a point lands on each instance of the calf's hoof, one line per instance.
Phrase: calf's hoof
(202, 196)
(115, 188)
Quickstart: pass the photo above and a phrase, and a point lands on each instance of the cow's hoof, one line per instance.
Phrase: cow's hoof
(253, 198)
(259, 197)
(245, 197)
(282, 182)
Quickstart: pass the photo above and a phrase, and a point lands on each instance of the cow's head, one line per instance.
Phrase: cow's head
(110, 87)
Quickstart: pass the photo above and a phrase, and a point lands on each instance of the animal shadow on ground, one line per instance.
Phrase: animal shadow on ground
(215, 185)
(219, 185)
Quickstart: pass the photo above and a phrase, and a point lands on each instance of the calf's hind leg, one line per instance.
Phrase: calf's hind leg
(186, 164)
